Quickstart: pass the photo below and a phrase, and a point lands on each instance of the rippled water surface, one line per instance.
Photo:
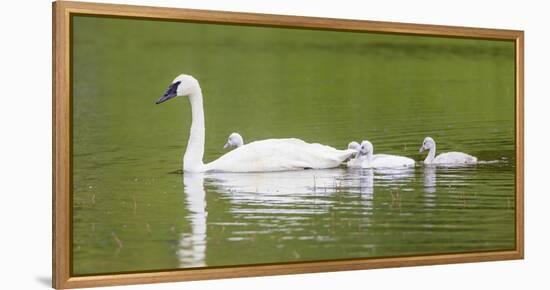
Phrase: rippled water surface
(134, 210)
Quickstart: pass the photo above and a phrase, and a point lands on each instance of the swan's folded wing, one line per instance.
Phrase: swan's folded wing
(455, 158)
(279, 155)
(391, 161)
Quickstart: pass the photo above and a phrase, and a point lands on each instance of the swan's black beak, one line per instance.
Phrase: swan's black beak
(170, 93)
(421, 149)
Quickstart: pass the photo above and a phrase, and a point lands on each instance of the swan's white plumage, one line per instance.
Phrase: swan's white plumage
(390, 161)
(258, 156)
(454, 158)
(279, 155)
(448, 158)
(353, 145)
(366, 159)
(234, 140)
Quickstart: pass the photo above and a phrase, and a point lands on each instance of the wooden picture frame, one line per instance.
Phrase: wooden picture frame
(62, 182)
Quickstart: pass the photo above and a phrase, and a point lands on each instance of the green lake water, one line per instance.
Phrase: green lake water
(134, 210)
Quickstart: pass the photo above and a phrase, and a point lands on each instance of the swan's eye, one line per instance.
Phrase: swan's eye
(175, 85)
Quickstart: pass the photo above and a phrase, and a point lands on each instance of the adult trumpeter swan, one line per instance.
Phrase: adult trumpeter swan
(234, 140)
(264, 155)
(367, 159)
(448, 158)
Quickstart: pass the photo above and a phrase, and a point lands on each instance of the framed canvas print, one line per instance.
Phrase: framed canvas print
(195, 144)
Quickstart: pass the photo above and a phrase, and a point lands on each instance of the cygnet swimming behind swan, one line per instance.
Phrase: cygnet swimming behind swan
(449, 158)
(257, 156)
(353, 145)
(366, 159)
(234, 140)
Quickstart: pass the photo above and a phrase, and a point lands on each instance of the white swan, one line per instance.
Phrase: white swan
(234, 140)
(366, 159)
(258, 156)
(353, 145)
(449, 158)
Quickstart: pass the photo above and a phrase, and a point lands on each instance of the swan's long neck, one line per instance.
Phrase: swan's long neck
(192, 160)
(431, 155)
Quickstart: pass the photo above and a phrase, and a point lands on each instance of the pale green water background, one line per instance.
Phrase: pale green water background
(134, 211)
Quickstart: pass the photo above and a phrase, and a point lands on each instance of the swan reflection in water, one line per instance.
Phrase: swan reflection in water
(449, 177)
(283, 196)
(430, 185)
(430, 178)
(192, 249)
